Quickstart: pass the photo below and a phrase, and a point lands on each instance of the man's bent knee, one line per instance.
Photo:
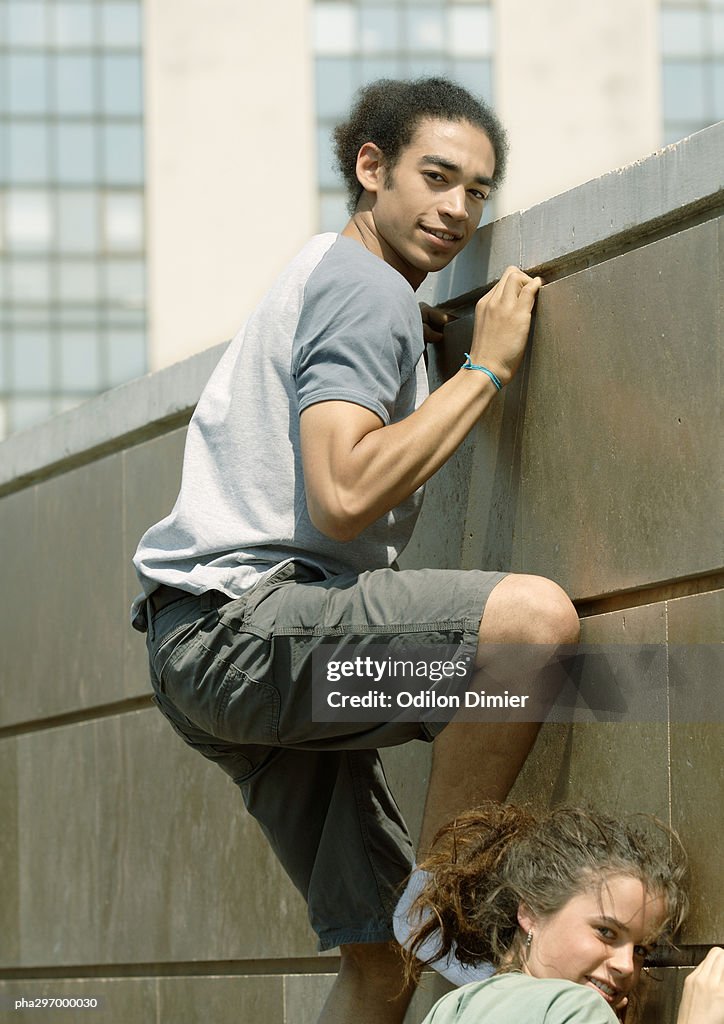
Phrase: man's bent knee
(529, 609)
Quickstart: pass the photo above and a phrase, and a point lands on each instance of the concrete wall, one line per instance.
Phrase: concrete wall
(130, 870)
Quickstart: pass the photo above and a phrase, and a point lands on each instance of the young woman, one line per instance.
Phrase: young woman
(567, 906)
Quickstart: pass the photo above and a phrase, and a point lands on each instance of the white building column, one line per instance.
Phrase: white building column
(577, 85)
(229, 162)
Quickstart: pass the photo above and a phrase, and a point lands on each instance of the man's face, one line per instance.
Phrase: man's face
(428, 207)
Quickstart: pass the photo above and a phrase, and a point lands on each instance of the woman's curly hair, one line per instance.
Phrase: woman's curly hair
(388, 112)
(487, 862)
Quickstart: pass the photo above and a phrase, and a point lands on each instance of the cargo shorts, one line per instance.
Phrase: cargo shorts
(234, 679)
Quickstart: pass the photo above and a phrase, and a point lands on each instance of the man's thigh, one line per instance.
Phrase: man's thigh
(236, 682)
(245, 673)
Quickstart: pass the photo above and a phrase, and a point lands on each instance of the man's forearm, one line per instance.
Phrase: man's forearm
(354, 480)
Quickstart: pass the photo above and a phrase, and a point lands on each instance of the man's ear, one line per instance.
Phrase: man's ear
(370, 167)
(526, 917)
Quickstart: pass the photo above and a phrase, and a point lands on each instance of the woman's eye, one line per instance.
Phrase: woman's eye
(605, 933)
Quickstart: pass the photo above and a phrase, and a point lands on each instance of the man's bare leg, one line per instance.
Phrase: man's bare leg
(369, 988)
(472, 762)
(475, 761)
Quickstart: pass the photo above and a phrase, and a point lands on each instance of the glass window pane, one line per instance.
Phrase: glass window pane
(717, 32)
(372, 68)
(73, 23)
(126, 351)
(335, 28)
(425, 29)
(78, 222)
(673, 133)
(28, 412)
(123, 227)
(26, 23)
(125, 282)
(682, 33)
(27, 84)
(28, 220)
(76, 153)
(326, 173)
(335, 85)
(426, 66)
(3, 137)
(27, 153)
(29, 281)
(475, 75)
(78, 281)
(74, 87)
(122, 85)
(333, 213)
(470, 32)
(79, 362)
(31, 361)
(718, 83)
(123, 154)
(380, 30)
(4, 374)
(684, 93)
(77, 315)
(121, 24)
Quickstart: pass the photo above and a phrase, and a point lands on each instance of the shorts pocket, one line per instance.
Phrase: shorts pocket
(229, 757)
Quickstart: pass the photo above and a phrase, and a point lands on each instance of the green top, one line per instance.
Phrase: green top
(520, 999)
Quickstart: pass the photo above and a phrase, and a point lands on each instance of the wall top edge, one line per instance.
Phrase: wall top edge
(619, 203)
(108, 422)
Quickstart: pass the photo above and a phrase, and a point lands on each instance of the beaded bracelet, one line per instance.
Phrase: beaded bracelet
(470, 365)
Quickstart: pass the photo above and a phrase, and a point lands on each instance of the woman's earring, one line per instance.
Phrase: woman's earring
(529, 940)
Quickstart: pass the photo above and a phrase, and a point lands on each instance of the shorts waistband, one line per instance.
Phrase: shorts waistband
(164, 595)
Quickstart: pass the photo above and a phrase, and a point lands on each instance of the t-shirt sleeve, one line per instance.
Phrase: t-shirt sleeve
(358, 338)
(576, 1004)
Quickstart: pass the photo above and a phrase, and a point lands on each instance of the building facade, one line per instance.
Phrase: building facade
(159, 163)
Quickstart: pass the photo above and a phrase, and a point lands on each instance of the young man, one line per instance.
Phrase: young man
(301, 484)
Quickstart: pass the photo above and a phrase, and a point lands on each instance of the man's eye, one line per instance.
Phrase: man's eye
(480, 196)
(434, 176)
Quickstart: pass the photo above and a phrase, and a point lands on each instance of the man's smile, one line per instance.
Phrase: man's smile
(441, 234)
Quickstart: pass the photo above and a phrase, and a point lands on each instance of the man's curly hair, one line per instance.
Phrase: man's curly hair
(388, 112)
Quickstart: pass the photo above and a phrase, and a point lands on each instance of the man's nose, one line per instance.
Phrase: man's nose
(454, 204)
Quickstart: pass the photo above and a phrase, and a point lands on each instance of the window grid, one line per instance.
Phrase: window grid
(358, 41)
(692, 65)
(72, 224)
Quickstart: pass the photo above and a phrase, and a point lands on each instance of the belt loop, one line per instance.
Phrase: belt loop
(149, 620)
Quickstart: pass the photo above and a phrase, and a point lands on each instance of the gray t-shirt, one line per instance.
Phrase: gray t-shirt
(339, 323)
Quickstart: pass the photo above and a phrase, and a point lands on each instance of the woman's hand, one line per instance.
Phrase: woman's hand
(703, 998)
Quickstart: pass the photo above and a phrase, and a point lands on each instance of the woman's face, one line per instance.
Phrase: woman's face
(598, 939)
